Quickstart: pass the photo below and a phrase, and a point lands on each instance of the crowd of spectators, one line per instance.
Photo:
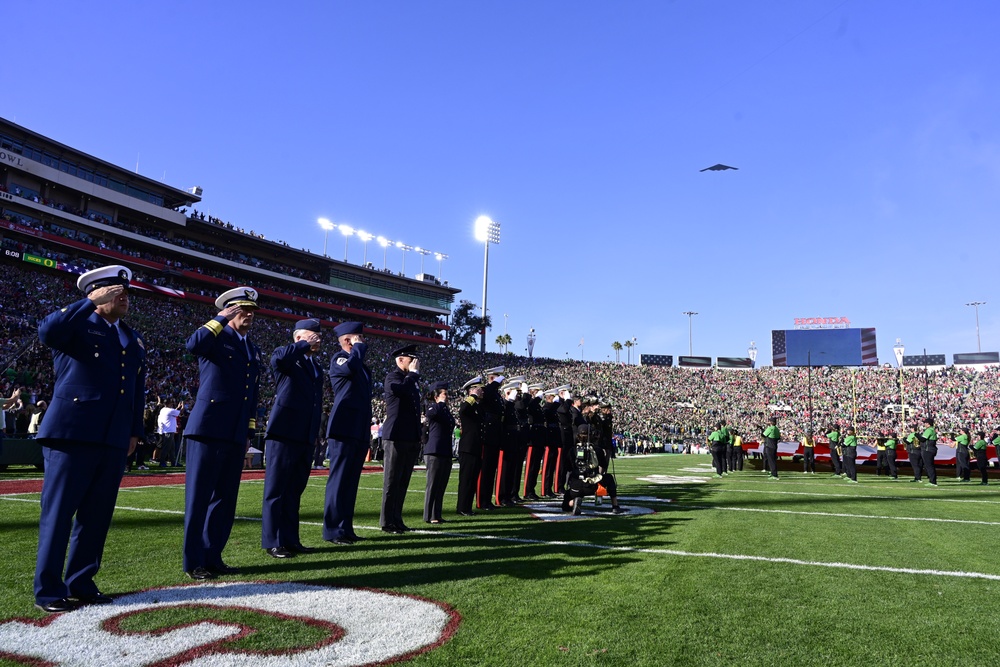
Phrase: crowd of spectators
(650, 403)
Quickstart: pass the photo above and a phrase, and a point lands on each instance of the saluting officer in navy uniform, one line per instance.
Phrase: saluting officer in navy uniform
(553, 444)
(348, 432)
(470, 446)
(219, 429)
(492, 407)
(510, 461)
(292, 428)
(536, 441)
(400, 435)
(437, 452)
(93, 424)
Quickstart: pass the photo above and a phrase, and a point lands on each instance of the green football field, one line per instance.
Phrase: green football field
(741, 570)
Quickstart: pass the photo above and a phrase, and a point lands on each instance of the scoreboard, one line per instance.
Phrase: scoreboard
(823, 347)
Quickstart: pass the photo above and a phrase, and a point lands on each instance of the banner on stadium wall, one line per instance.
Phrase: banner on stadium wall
(945, 453)
(40, 261)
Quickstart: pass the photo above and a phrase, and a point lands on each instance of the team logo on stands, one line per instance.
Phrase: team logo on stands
(236, 623)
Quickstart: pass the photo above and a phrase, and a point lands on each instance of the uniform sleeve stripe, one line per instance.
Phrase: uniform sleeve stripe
(213, 326)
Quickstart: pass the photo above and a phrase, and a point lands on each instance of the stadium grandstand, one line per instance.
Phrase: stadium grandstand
(64, 212)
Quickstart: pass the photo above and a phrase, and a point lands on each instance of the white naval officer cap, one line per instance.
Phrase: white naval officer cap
(238, 296)
(536, 387)
(496, 370)
(103, 277)
(474, 382)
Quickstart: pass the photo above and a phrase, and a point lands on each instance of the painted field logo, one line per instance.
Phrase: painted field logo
(231, 624)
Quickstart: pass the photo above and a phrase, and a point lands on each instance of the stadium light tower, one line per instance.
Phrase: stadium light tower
(347, 231)
(752, 353)
(365, 238)
(487, 232)
(423, 253)
(976, 304)
(326, 225)
(402, 246)
(690, 314)
(385, 243)
(440, 256)
(898, 350)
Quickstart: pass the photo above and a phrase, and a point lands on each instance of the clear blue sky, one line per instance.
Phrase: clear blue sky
(865, 133)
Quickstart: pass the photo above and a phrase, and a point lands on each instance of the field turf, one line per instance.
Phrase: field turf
(741, 570)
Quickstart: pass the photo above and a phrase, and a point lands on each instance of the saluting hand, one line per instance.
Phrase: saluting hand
(414, 366)
(103, 295)
(230, 312)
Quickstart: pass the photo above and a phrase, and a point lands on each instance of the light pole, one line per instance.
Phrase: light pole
(327, 226)
(402, 246)
(423, 253)
(752, 353)
(635, 343)
(898, 350)
(440, 256)
(976, 304)
(487, 232)
(365, 238)
(690, 314)
(505, 316)
(346, 230)
(384, 242)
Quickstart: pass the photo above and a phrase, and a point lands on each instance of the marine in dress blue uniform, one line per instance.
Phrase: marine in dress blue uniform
(400, 435)
(218, 430)
(93, 423)
(437, 452)
(347, 432)
(292, 431)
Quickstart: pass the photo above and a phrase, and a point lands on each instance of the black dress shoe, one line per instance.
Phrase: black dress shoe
(356, 538)
(508, 503)
(302, 549)
(395, 530)
(59, 606)
(518, 499)
(346, 541)
(97, 598)
(222, 568)
(279, 552)
(619, 510)
(201, 574)
(467, 514)
(487, 508)
(532, 497)
(403, 527)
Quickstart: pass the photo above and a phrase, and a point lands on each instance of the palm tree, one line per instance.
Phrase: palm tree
(629, 345)
(503, 341)
(617, 347)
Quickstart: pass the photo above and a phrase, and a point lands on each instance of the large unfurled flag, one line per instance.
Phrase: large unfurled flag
(869, 355)
(581, 343)
(779, 356)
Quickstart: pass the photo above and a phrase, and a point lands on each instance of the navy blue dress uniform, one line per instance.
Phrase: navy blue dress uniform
(437, 452)
(553, 444)
(510, 446)
(567, 414)
(470, 446)
(218, 431)
(347, 432)
(536, 442)
(492, 411)
(400, 436)
(292, 430)
(92, 424)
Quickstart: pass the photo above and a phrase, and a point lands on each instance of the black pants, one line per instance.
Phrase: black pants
(928, 454)
(718, 458)
(400, 457)
(739, 455)
(771, 459)
(916, 462)
(890, 459)
(808, 459)
(982, 462)
(962, 469)
(468, 480)
(838, 467)
(881, 461)
(488, 476)
(850, 457)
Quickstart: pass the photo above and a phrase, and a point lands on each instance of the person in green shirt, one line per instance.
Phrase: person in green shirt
(928, 449)
(962, 469)
(850, 448)
(771, 437)
(913, 453)
(717, 441)
(890, 455)
(979, 448)
(834, 437)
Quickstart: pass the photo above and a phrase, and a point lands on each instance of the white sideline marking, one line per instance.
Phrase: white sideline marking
(840, 514)
(666, 552)
(858, 497)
